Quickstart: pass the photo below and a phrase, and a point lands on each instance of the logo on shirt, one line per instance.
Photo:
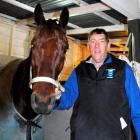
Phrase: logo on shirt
(110, 73)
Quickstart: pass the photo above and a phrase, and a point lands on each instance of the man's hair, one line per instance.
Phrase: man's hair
(98, 31)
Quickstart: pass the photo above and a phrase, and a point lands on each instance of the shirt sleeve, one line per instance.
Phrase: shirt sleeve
(71, 93)
(133, 94)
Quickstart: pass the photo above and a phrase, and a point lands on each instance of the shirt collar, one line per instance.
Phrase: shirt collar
(107, 60)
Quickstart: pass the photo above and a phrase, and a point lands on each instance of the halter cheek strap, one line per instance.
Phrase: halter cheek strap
(47, 80)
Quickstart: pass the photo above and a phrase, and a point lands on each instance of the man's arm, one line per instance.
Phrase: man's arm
(133, 94)
(71, 93)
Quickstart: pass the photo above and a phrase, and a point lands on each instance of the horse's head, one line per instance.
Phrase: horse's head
(49, 46)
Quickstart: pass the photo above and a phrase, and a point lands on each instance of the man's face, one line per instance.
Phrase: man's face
(98, 47)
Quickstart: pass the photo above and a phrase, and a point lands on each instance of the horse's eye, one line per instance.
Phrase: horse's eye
(32, 45)
(65, 49)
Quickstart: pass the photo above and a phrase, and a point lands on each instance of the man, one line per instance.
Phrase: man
(105, 95)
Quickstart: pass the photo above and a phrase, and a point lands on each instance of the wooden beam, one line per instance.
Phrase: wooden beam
(8, 17)
(107, 17)
(111, 28)
(101, 14)
(73, 26)
(88, 9)
(19, 4)
(84, 9)
(73, 12)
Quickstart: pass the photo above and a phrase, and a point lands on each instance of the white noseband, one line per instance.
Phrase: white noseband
(47, 80)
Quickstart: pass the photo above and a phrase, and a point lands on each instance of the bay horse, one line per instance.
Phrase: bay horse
(27, 87)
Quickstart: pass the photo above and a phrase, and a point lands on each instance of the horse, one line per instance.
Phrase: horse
(27, 86)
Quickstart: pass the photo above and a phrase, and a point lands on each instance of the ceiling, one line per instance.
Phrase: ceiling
(85, 15)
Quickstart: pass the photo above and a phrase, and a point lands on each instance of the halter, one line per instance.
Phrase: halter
(47, 80)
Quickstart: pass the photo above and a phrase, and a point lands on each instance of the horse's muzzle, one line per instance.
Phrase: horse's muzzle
(42, 107)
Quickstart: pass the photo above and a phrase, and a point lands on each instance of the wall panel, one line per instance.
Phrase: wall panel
(75, 54)
(20, 42)
(5, 30)
(14, 40)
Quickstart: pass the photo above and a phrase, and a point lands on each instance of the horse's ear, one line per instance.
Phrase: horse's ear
(38, 15)
(64, 17)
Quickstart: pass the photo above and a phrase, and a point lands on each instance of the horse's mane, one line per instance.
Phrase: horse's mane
(6, 77)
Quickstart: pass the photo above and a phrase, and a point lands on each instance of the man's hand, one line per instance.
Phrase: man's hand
(57, 93)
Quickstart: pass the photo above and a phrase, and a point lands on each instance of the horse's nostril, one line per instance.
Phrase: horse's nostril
(33, 101)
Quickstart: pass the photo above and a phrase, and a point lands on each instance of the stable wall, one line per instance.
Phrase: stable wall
(75, 54)
(15, 43)
(14, 40)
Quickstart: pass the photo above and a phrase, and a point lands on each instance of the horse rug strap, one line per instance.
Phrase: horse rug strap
(29, 127)
(29, 124)
(48, 80)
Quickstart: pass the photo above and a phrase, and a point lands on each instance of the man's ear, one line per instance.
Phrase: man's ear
(108, 46)
(88, 46)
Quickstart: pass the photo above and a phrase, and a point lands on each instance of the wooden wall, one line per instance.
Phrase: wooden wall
(75, 54)
(15, 43)
(14, 40)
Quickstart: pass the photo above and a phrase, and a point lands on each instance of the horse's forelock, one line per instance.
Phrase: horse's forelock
(51, 23)
(51, 28)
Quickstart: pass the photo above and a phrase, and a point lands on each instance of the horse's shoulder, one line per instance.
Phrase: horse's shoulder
(10, 66)
(8, 71)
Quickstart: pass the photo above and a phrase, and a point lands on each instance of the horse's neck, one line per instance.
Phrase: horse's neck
(6, 78)
(21, 90)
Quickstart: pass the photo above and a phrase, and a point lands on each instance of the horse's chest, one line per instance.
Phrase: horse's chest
(10, 129)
